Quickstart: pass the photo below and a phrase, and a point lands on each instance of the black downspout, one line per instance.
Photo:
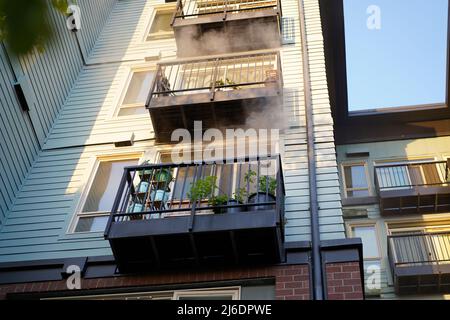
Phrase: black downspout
(314, 206)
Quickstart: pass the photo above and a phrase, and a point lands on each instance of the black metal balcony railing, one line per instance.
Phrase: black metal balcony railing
(222, 92)
(170, 190)
(420, 262)
(174, 215)
(217, 74)
(188, 9)
(420, 187)
(419, 249)
(409, 175)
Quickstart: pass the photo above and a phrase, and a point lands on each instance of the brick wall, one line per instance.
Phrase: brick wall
(344, 281)
(292, 282)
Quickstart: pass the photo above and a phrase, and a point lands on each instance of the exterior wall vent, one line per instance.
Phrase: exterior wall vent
(21, 96)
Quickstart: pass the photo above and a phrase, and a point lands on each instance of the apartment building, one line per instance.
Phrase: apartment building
(93, 204)
(393, 152)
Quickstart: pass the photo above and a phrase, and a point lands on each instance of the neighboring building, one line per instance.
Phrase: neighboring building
(87, 146)
(393, 159)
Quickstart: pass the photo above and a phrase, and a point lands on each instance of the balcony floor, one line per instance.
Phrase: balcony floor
(417, 200)
(227, 109)
(431, 278)
(226, 34)
(215, 240)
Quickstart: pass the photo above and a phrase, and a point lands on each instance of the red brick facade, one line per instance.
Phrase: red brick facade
(344, 281)
(292, 282)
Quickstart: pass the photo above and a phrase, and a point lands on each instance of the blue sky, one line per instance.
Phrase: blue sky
(401, 64)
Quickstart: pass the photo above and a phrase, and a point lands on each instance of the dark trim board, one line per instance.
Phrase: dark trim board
(381, 125)
(140, 289)
(103, 267)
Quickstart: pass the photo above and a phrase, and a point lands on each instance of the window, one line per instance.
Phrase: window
(395, 59)
(371, 253)
(100, 198)
(91, 224)
(233, 293)
(355, 180)
(137, 93)
(161, 24)
(369, 238)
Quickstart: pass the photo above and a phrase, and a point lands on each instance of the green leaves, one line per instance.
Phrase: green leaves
(60, 5)
(24, 23)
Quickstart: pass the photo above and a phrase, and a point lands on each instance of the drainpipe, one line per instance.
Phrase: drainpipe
(314, 206)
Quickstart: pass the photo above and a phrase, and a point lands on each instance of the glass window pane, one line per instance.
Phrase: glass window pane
(210, 297)
(92, 224)
(104, 188)
(139, 87)
(369, 239)
(396, 52)
(355, 178)
(162, 22)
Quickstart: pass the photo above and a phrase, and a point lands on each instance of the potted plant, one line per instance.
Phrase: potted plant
(266, 191)
(219, 84)
(205, 189)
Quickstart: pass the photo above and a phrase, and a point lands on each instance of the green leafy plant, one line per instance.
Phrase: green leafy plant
(61, 5)
(205, 189)
(227, 82)
(24, 24)
(240, 195)
(268, 184)
(265, 183)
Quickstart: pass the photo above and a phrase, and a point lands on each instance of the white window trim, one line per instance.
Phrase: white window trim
(167, 7)
(344, 183)
(118, 104)
(93, 168)
(234, 292)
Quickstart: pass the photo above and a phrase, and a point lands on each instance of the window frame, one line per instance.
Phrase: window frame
(125, 86)
(87, 188)
(351, 225)
(344, 182)
(235, 292)
(380, 124)
(167, 7)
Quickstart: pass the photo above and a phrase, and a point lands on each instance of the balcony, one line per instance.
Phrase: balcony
(420, 262)
(205, 27)
(221, 92)
(193, 215)
(414, 188)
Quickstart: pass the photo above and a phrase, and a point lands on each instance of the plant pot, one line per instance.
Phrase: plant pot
(261, 197)
(229, 210)
(135, 208)
(143, 187)
(163, 175)
(159, 196)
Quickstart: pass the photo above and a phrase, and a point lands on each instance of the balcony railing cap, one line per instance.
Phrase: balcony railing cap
(221, 56)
